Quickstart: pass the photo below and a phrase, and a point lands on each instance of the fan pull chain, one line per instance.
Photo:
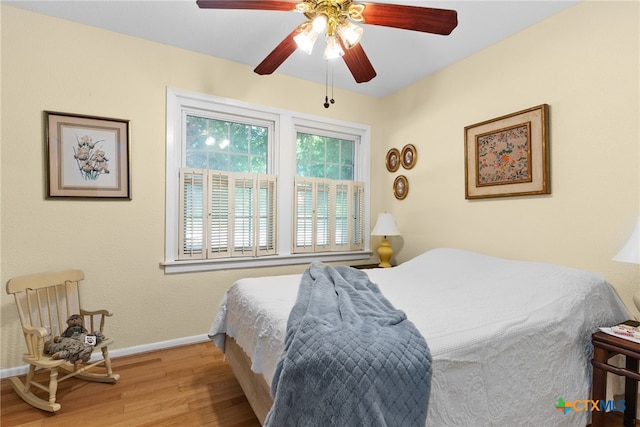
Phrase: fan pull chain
(326, 87)
(333, 101)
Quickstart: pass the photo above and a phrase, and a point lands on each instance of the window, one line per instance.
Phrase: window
(326, 194)
(255, 186)
(213, 142)
(324, 156)
(227, 202)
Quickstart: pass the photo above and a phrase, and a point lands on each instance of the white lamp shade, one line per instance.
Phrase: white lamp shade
(630, 252)
(385, 226)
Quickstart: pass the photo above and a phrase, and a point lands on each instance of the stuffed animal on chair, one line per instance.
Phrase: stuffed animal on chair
(75, 324)
(73, 345)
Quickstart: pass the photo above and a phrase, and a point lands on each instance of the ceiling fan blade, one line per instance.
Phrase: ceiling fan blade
(278, 55)
(425, 19)
(358, 63)
(247, 4)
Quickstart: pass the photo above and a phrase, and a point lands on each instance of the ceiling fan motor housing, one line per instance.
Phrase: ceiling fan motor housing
(337, 12)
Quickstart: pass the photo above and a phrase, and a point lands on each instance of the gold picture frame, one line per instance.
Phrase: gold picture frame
(508, 155)
(401, 187)
(409, 156)
(393, 160)
(87, 156)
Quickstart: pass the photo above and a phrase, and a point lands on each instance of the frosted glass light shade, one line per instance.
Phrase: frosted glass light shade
(385, 226)
(306, 38)
(319, 23)
(332, 48)
(630, 252)
(350, 34)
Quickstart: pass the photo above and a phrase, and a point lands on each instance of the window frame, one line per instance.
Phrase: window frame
(281, 161)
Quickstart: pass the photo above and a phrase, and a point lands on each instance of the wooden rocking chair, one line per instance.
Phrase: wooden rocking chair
(45, 301)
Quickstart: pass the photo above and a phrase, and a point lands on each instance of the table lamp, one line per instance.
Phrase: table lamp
(630, 252)
(385, 226)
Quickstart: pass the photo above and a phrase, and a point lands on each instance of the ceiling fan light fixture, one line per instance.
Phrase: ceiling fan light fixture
(340, 41)
(306, 38)
(332, 48)
(350, 34)
(319, 23)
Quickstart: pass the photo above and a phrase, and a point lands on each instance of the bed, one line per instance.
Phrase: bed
(508, 338)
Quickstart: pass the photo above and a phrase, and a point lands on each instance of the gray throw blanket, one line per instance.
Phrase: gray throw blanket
(350, 358)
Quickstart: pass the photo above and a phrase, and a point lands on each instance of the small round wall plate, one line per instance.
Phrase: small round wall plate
(408, 156)
(393, 160)
(401, 187)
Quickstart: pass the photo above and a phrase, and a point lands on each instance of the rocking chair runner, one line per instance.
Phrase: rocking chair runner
(45, 301)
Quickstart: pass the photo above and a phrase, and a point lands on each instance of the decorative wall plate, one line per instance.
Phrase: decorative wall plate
(393, 160)
(408, 156)
(400, 187)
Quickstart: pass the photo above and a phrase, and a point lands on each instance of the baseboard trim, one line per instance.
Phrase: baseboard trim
(121, 352)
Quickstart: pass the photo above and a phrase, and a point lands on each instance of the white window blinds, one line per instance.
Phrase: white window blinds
(226, 214)
(328, 215)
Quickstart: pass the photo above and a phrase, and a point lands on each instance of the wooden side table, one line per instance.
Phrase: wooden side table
(365, 266)
(604, 347)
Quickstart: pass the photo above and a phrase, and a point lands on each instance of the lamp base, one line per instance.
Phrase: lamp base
(385, 253)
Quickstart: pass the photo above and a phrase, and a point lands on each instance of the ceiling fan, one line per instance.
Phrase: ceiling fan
(337, 19)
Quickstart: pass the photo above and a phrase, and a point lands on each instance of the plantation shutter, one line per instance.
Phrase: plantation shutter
(357, 215)
(342, 222)
(192, 218)
(328, 215)
(220, 234)
(243, 214)
(267, 230)
(323, 215)
(303, 240)
(225, 214)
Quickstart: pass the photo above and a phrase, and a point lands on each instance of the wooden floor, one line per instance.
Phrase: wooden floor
(182, 387)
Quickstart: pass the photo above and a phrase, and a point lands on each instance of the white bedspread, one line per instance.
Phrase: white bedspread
(508, 338)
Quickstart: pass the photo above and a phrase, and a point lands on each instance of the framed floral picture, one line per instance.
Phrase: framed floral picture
(87, 156)
(508, 155)
(393, 160)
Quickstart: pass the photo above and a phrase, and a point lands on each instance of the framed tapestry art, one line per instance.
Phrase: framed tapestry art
(87, 156)
(508, 156)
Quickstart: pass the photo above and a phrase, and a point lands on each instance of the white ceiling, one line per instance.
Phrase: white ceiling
(400, 57)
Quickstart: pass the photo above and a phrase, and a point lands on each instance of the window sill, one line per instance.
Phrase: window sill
(191, 266)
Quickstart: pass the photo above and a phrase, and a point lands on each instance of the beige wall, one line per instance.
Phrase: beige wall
(582, 62)
(51, 64)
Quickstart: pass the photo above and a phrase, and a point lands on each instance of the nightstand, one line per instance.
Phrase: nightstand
(365, 266)
(604, 347)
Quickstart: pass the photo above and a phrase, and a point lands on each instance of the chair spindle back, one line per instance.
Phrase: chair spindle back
(47, 300)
